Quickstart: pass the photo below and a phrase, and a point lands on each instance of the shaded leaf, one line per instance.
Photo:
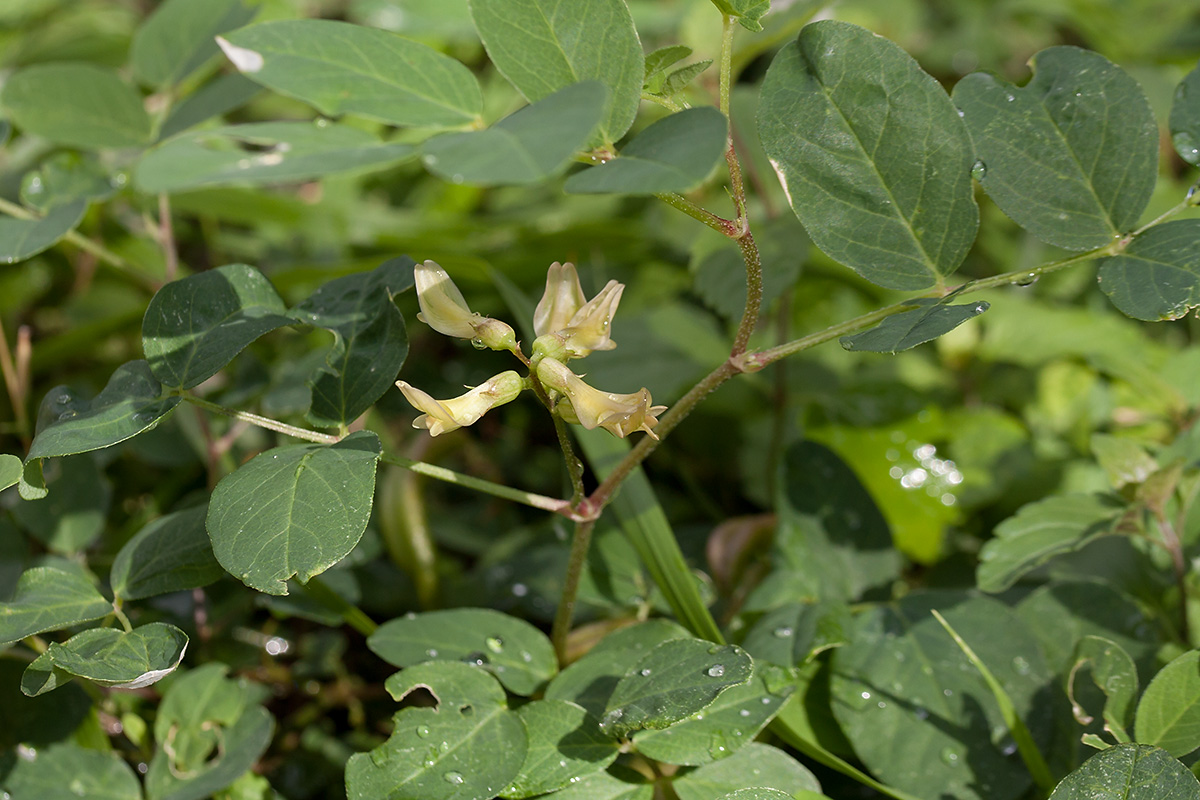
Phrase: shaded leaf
(293, 511)
(916, 711)
(1129, 772)
(917, 326)
(565, 745)
(197, 707)
(748, 12)
(1157, 277)
(177, 38)
(873, 156)
(66, 178)
(171, 554)
(67, 770)
(48, 599)
(525, 147)
(1072, 156)
(370, 341)
(1040, 531)
(72, 515)
(76, 104)
(793, 633)
(114, 658)
(1185, 118)
(672, 155)
(671, 682)
(1115, 674)
(349, 69)
(678, 80)
(263, 153)
(629, 785)
(10, 470)
(24, 238)
(1168, 714)
(517, 653)
(196, 325)
(243, 742)
(542, 46)
(37, 721)
(220, 96)
(756, 765)
(489, 741)
(42, 676)
(659, 60)
(725, 726)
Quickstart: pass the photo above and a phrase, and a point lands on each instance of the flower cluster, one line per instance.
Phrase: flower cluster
(567, 325)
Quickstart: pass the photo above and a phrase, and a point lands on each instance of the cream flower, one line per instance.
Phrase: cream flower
(444, 309)
(582, 326)
(443, 416)
(619, 414)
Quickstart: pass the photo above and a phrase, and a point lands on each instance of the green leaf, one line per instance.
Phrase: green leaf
(725, 726)
(196, 325)
(42, 676)
(1123, 459)
(671, 682)
(630, 785)
(917, 712)
(659, 60)
(177, 39)
(590, 681)
(755, 766)
(525, 147)
(542, 46)
(1129, 772)
(293, 511)
(171, 554)
(114, 658)
(678, 80)
(67, 178)
(48, 599)
(10, 470)
(37, 721)
(24, 238)
(906, 330)
(1072, 156)
(874, 158)
(565, 745)
(370, 341)
(748, 12)
(348, 69)
(72, 516)
(831, 529)
(517, 653)
(1168, 714)
(243, 743)
(1115, 674)
(1157, 277)
(263, 153)
(794, 633)
(672, 155)
(470, 747)
(220, 96)
(76, 104)
(1185, 118)
(66, 770)
(129, 404)
(1040, 531)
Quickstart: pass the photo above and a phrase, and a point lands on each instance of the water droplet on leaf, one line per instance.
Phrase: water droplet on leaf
(716, 670)
(455, 778)
(979, 170)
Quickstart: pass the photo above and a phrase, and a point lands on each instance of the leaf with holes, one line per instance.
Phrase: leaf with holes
(1071, 156)
(874, 158)
(293, 511)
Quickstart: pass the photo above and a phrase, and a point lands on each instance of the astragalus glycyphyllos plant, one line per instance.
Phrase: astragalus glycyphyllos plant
(964, 572)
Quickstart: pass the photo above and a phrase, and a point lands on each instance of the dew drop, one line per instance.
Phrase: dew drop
(745, 712)
(716, 670)
(431, 653)
(950, 756)
(645, 673)
(866, 695)
(495, 644)
(455, 778)
(1021, 666)
(422, 731)
(782, 633)
(1028, 280)
(979, 170)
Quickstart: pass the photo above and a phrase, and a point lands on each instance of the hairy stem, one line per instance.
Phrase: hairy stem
(566, 607)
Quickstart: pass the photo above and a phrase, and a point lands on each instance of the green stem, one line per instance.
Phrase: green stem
(718, 224)
(487, 487)
(102, 253)
(726, 77)
(665, 102)
(354, 616)
(120, 615)
(566, 607)
(263, 422)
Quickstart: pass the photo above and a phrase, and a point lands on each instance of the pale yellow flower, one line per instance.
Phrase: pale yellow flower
(443, 416)
(619, 414)
(582, 326)
(562, 298)
(444, 309)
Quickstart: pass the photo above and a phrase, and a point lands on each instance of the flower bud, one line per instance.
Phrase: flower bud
(619, 414)
(444, 309)
(562, 298)
(443, 416)
(549, 345)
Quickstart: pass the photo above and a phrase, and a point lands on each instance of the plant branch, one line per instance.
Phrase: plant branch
(530, 499)
(166, 235)
(576, 562)
(718, 224)
(263, 422)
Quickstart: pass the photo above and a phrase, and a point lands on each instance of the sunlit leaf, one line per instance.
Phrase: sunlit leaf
(565, 745)
(1129, 772)
(759, 765)
(1168, 714)
(114, 658)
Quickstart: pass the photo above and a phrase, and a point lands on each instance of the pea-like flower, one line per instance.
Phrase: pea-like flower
(619, 414)
(443, 416)
(582, 326)
(444, 309)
